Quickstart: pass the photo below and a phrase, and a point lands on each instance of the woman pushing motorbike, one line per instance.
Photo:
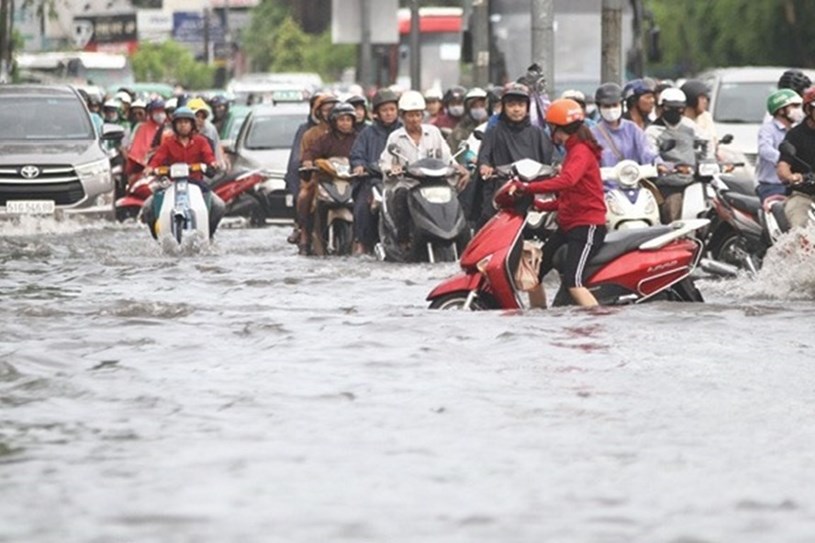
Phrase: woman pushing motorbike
(580, 204)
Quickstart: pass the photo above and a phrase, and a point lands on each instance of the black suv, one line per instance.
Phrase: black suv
(51, 156)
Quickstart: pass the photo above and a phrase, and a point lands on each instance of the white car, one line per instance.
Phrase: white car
(738, 102)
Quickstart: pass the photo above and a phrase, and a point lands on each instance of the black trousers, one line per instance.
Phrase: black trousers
(582, 243)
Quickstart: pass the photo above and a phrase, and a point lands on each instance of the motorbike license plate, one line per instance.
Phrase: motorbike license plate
(30, 207)
(289, 200)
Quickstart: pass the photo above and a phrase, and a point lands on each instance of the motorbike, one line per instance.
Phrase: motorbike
(179, 205)
(129, 206)
(241, 193)
(774, 219)
(630, 201)
(333, 232)
(633, 266)
(438, 227)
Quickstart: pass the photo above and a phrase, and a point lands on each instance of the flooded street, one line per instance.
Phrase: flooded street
(244, 394)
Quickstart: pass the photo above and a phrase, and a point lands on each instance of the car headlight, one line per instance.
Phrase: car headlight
(94, 172)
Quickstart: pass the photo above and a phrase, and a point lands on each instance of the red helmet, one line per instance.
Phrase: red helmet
(564, 112)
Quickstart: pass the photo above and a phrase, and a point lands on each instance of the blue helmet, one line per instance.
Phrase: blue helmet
(636, 88)
(183, 113)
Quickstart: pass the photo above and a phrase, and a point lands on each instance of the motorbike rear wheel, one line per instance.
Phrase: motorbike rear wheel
(732, 249)
(456, 300)
(685, 291)
(343, 237)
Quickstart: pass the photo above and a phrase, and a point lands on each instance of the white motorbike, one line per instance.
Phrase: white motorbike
(629, 202)
(179, 205)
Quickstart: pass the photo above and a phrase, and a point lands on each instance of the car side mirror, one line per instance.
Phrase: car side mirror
(112, 132)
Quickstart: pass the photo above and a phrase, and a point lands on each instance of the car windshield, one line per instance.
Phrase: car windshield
(742, 102)
(43, 118)
(273, 132)
(235, 124)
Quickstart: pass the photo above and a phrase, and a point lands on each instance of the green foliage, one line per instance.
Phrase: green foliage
(705, 33)
(289, 47)
(171, 62)
(259, 38)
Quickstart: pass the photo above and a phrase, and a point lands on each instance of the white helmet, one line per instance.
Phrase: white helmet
(433, 93)
(475, 92)
(574, 94)
(412, 101)
(673, 97)
(111, 104)
(122, 96)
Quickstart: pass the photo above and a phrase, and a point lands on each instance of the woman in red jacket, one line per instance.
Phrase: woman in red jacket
(580, 205)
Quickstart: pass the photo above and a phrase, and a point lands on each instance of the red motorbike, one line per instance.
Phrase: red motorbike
(632, 266)
(129, 205)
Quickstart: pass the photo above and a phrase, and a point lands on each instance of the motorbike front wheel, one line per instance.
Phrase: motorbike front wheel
(685, 291)
(343, 237)
(179, 228)
(457, 300)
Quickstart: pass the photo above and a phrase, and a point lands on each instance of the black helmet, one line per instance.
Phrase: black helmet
(608, 94)
(515, 90)
(693, 89)
(356, 99)
(796, 80)
(456, 92)
(343, 108)
(384, 96)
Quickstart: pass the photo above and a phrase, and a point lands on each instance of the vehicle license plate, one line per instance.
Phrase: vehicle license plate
(30, 207)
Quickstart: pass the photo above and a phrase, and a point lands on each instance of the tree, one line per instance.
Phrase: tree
(289, 47)
(171, 62)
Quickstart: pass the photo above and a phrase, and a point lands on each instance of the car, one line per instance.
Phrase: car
(265, 142)
(234, 121)
(738, 103)
(52, 161)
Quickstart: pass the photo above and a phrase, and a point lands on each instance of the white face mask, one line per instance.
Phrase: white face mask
(456, 111)
(479, 114)
(796, 115)
(611, 114)
(159, 117)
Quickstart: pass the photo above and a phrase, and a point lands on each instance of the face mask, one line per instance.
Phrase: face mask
(611, 114)
(795, 115)
(159, 117)
(479, 114)
(672, 116)
(455, 111)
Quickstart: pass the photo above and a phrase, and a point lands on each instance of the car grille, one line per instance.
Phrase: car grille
(53, 182)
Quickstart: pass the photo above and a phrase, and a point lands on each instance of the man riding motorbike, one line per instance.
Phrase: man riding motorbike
(475, 113)
(697, 95)
(639, 102)
(513, 138)
(580, 203)
(364, 157)
(413, 142)
(790, 169)
(186, 146)
(621, 139)
(453, 108)
(336, 142)
(784, 106)
(796, 80)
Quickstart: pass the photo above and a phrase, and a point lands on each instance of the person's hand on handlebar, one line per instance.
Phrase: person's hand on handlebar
(396, 170)
(486, 171)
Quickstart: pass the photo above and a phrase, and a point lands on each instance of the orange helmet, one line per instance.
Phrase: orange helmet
(563, 112)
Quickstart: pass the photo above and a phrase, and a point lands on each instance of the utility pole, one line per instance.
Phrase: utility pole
(543, 39)
(6, 16)
(365, 53)
(612, 42)
(415, 47)
(481, 42)
(207, 38)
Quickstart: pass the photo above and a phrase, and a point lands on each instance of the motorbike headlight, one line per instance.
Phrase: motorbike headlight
(628, 175)
(96, 172)
(613, 205)
(651, 206)
(482, 264)
(708, 169)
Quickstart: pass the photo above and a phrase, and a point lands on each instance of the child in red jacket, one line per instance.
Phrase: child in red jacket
(580, 203)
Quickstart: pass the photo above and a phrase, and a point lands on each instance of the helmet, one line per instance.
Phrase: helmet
(782, 98)
(456, 92)
(94, 99)
(495, 93)
(693, 89)
(672, 97)
(218, 100)
(157, 103)
(314, 97)
(474, 94)
(515, 90)
(575, 95)
(138, 104)
(111, 104)
(356, 99)
(608, 94)
(123, 97)
(383, 96)
(636, 88)
(794, 79)
(343, 108)
(198, 104)
(809, 96)
(432, 94)
(412, 101)
(183, 113)
(171, 104)
(564, 112)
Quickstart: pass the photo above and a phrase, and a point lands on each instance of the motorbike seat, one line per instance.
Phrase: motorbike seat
(780, 216)
(742, 202)
(739, 185)
(224, 179)
(623, 241)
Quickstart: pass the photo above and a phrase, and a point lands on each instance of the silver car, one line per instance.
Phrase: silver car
(52, 160)
(265, 142)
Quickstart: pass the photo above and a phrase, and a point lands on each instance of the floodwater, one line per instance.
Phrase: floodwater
(244, 394)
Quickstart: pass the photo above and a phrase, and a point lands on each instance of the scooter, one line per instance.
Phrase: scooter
(629, 202)
(438, 227)
(633, 266)
(129, 206)
(334, 207)
(240, 192)
(773, 218)
(179, 205)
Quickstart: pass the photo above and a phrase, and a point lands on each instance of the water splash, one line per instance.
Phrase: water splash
(32, 225)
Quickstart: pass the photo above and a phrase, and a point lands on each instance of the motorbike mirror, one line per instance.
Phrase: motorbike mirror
(666, 145)
(478, 134)
(726, 139)
(393, 149)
